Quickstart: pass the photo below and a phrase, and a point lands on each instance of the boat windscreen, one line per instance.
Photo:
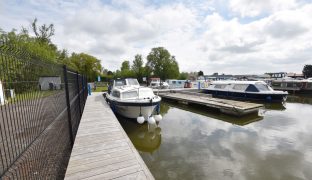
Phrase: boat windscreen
(119, 83)
(240, 87)
(129, 94)
(133, 82)
(116, 94)
(146, 93)
(262, 87)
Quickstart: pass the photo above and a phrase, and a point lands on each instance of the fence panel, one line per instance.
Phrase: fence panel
(35, 135)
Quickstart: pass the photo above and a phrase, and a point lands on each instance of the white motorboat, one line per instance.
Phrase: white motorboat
(129, 100)
(246, 90)
(155, 83)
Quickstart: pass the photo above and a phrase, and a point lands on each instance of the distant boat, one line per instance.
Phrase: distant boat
(155, 83)
(129, 100)
(293, 85)
(175, 83)
(245, 90)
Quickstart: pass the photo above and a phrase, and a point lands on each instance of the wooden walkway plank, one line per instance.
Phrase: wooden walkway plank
(102, 149)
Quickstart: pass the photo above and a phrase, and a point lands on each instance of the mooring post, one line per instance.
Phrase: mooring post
(68, 106)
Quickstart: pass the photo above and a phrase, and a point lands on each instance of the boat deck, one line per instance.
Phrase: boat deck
(232, 107)
(102, 149)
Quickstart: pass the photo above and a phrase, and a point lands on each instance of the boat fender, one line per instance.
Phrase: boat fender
(151, 120)
(140, 119)
(158, 117)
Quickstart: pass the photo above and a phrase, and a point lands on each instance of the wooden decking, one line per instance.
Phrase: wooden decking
(102, 149)
(237, 108)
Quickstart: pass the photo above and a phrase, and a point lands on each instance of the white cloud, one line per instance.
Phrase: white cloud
(255, 7)
(277, 42)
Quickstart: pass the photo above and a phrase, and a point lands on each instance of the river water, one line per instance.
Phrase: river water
(194, 143)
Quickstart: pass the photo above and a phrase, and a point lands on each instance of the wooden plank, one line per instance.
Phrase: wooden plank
(107, 171)
(102, 149)
(121, 172)
(226, 106)
(99, 153)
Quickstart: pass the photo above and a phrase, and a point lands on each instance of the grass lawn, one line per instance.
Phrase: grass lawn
(100, 89)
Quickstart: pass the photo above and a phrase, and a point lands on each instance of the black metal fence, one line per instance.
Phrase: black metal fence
(41, 104)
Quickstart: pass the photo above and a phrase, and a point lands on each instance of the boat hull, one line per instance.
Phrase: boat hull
(248, 96)
(134, 109)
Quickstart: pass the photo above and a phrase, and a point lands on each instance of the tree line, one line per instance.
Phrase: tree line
(159, 63)
(40, 47)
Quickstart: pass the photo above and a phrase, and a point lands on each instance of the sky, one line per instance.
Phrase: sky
(225, 36)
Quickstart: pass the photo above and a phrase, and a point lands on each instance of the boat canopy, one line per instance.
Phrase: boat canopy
(132, 93)
(126, 82)
(249, 86)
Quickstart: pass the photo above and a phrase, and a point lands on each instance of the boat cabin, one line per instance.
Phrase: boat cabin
(123, 82)
(132, 93)
(246, 90)
(175, 83)
(243, 86)
(292, 85)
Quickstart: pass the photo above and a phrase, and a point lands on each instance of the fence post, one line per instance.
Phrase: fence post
(84, 88)
(77, 75)
(68, 106)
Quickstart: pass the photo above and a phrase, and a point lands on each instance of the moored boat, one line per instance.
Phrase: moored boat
(292, 85)
(155, 83)
(246, 90)
(133, 101)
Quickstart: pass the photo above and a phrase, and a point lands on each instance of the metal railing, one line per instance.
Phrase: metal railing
(41, 104)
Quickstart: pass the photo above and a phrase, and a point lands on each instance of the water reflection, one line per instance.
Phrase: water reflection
(145, 137)
(216, 114)
(195, 144)
(275, 106)
(304, 99)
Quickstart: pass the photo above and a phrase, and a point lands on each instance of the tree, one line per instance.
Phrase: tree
(125, 66)
(137, 67)
(183, 75)
(41, 48)
(104, 71)
(44, 32)
(162, 64)
(62, 58)
(110, 73)
(86, 64)
(307, 71)
(29, 45)
(200, 73)
(125, 71)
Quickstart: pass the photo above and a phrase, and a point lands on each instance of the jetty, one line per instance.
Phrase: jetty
(231, 107)
(102, 149)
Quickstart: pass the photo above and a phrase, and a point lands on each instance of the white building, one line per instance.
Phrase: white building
(50, 83)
